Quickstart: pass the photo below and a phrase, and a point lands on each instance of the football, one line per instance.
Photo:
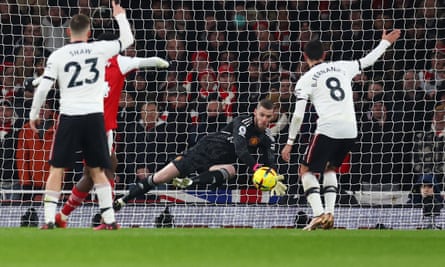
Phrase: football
(264, 178)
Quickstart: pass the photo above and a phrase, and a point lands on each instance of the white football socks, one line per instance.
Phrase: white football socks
(330, 181)
(104, 196)
(50, 205)
(311, 182)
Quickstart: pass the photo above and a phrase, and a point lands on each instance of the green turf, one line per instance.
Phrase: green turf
(219, 247)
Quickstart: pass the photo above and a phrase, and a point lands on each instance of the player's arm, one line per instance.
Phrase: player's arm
(294, 127)
(45, 84)
(40, 96)
(128, 64)
(126, 37)
(297, 120)
(376, 53)
(152, 62)
(239, 140)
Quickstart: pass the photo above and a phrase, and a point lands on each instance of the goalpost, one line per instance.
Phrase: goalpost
(225, 56)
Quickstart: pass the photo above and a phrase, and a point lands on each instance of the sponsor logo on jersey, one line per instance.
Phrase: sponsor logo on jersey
(254, 141)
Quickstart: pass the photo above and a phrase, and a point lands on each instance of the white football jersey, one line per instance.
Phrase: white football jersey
(328, 86)
(79, 69)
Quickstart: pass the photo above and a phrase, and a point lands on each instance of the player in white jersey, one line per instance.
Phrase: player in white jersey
(116, 72)
(79, 68)
(328, 86)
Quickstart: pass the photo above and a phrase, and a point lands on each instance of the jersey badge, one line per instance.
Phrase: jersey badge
(254, 141)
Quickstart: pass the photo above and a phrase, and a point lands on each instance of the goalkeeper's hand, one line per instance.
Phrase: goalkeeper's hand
(257, 166)
(182, 182)
(280, 188)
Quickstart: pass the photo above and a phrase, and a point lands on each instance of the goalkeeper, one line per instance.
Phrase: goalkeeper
(215, 154)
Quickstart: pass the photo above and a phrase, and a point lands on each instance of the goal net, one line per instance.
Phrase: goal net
(225, 56)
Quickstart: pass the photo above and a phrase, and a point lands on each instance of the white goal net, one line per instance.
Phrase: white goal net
(224, 57)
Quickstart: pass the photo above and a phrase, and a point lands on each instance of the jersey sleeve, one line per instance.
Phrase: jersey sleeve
(352, 68)
(374, 55)
(51, 68)
(302, 90)
(269, 150)
(48, 78)
(109, 48)
(302, 93)
(127, 64)
(296, 121)
(126, 37)
(240, 142)
(39, 97)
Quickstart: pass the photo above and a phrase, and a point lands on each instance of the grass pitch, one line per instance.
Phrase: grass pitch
(219, 247)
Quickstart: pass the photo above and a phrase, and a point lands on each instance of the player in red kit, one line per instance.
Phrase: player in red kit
(116, 71)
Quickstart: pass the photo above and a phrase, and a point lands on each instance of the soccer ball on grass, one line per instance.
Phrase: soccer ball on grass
(264, 178)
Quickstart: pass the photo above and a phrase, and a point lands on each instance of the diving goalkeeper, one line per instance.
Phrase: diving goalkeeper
(214, 156)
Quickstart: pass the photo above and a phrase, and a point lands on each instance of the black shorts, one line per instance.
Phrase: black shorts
(84, 133)
(323, 150)
(205, 154)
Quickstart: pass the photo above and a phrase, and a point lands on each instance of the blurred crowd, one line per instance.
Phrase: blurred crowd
(224, 57)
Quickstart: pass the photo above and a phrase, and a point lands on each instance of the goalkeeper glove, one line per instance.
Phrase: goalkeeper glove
(280, 188)
(182, 182)
(257, 166)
